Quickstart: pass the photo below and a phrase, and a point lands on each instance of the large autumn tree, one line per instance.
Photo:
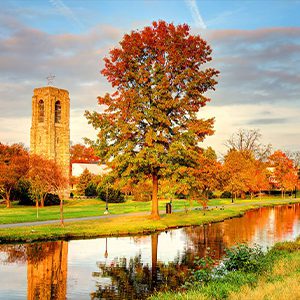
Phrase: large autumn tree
(150, 121)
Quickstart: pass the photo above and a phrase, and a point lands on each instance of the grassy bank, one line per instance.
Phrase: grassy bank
(127, 225)
(95, 207)
(279, 279)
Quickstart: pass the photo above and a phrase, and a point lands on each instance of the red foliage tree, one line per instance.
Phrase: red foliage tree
(150, 122)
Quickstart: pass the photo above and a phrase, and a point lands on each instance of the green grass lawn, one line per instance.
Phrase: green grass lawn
(94, 207)
(123, 225)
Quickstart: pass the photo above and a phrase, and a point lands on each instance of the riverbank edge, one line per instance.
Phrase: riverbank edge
(135, 225)
(280, 273)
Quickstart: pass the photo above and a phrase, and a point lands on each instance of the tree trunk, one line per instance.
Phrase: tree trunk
(61, 212)
(43, 200)
(7, 199)
(8, 203)
(37, 207)
(154, 212)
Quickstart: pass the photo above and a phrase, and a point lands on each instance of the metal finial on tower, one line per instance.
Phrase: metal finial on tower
(50, 79)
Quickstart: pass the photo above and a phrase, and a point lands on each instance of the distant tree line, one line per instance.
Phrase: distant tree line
(248, 168)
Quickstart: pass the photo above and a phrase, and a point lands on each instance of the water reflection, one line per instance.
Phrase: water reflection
(47, 270)
(134, 279)
(132, 267)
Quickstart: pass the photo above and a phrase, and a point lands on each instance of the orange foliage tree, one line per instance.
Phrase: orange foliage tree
(59, 183)
(39, 176)
(257, 179)
(284, 173)
(201, 179)
(150, 122)
(45, 177)
(237, 171)
(14, 163)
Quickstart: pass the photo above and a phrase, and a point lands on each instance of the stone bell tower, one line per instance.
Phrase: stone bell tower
(50, 128)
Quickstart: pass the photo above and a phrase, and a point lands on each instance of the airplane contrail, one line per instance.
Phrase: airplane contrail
(64, 10)
(192, 5)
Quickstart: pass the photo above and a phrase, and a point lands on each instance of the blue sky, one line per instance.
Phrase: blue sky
(256, 46)
(60, 16)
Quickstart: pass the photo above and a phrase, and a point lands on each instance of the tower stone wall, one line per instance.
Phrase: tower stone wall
(50, 129)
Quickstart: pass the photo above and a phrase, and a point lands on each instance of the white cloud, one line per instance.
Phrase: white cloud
(65, 10)
(198, 20)
(15, 130)
(79, 127)
(277, 123)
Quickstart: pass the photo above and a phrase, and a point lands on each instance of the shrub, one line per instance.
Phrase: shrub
(210, 195)
(21, 193)
(112, 195)
(91, 190)
(244, 258)
(240, 259)
(203, 272)
(226, 195)
(51, 199)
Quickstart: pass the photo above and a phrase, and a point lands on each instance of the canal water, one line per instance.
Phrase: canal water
(132, 267)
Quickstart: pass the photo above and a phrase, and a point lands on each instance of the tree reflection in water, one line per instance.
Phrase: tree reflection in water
(134, 280)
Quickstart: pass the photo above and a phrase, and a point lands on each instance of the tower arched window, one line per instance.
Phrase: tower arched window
(41, 111)
(57, 112)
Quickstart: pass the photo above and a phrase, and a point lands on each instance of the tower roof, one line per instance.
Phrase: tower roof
(49, 88)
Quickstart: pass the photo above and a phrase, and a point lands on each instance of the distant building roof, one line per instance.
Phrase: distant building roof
(94, 168)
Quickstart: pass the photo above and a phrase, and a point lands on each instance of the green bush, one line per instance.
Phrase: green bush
(51, 199)
(240, 259)
(21, 193)
(244, 258)
(112, 195)
(204, 269)
(226, 195)
(210, 195)
(91, 190)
